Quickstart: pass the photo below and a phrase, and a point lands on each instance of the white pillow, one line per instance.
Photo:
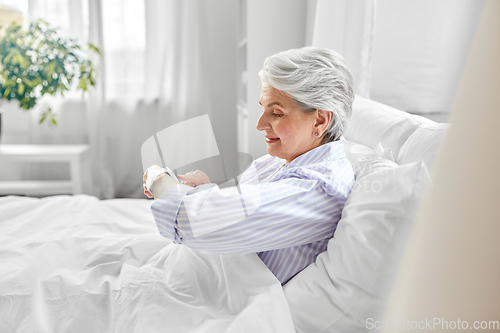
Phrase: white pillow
(350, 282)
(373, 122)
(423, 144)
(356, 152)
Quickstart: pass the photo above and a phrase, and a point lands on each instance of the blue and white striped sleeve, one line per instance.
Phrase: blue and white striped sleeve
(254, 218)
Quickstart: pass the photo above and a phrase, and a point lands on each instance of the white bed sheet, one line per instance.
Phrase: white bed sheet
(79, 264)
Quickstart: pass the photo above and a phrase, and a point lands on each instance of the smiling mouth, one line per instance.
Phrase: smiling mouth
(271, 140)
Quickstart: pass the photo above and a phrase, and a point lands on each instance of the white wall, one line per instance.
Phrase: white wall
(419, 52)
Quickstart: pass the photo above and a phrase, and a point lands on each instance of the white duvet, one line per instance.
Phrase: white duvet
(79, 264)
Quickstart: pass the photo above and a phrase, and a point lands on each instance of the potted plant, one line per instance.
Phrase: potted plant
(38, 62)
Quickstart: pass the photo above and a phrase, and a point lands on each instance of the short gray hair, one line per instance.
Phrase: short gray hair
(316, 79)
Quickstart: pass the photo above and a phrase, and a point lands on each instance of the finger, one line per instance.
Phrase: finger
(186, 177)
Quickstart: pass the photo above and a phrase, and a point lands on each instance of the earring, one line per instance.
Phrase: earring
(316, 134)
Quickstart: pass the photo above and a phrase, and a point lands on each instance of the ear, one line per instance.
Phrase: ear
(322, 121)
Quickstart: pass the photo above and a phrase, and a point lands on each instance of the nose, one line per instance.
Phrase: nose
(263, 123)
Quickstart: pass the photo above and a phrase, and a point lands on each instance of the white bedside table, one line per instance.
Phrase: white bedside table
(73, 154)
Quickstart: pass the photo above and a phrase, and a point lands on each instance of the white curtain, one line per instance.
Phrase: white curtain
(405, 53)
(347, 26)
(153, 74)
(176, 56)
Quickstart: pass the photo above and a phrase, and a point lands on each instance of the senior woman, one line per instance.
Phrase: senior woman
(299, 188)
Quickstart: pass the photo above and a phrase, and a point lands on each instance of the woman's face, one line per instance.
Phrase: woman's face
(288, 130)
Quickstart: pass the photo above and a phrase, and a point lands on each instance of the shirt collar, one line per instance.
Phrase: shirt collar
(326, 152)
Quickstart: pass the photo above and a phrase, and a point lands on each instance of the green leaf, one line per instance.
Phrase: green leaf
(82, 84)
(94, 48)
(8, 58)
(28, 82)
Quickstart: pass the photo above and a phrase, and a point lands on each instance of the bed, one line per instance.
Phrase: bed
(80, 264)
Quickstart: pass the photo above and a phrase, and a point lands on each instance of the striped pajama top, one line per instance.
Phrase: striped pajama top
(286, 213)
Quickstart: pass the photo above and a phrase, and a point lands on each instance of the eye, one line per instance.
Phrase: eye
(278, 115)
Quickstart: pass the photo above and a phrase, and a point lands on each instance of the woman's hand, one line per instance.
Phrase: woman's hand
(194, 178)
(162, 182)
(145, 178)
